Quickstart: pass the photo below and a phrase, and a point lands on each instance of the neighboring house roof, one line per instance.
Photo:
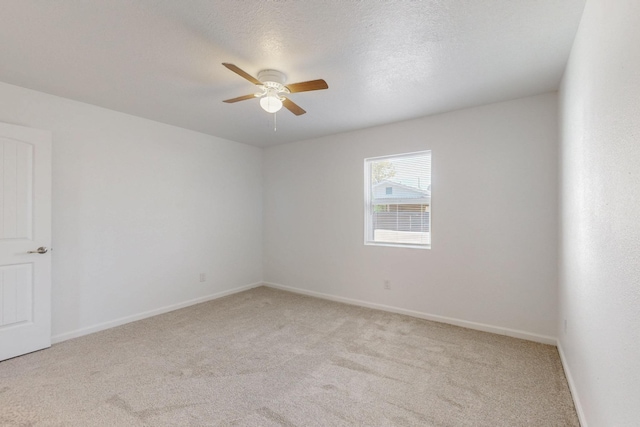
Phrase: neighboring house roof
(400, 194)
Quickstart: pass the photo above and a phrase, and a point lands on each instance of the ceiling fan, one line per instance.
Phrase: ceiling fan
(273, 91)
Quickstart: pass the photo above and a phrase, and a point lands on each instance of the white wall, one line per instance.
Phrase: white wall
(600, 215)
(140, 209)
(494, 255)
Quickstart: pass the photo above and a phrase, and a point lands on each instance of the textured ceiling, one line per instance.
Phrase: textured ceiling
(384, 61)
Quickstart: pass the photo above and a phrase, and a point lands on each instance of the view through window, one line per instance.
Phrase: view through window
(398, 200)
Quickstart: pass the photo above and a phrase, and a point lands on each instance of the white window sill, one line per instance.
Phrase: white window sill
(397, 245)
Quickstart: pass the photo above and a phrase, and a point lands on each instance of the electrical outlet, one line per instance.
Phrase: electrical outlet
(387, 284)
(203, 277)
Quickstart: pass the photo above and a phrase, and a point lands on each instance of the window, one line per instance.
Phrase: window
(397, 208)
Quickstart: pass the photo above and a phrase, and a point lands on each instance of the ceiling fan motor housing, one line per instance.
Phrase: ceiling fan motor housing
(272, 84)
(275, 76)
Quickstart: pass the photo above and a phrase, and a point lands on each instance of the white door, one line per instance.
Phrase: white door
(25, 226)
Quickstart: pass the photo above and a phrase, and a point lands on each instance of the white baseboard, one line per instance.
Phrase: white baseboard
(572, 387)
(434, 317)
(127, 319)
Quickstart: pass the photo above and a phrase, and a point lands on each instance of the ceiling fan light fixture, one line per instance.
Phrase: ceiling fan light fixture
(271, 103)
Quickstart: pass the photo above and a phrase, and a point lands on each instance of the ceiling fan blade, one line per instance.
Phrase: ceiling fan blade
(293, 107)
(240, 98)
(307, 86)
(242, 73)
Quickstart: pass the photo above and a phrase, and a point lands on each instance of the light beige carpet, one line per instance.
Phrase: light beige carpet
(271, 358)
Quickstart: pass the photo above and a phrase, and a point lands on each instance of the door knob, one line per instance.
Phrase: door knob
(40, 250)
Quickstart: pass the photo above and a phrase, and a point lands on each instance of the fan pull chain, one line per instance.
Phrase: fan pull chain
(275, 122)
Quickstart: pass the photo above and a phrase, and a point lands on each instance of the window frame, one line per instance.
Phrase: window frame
(368, 205)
